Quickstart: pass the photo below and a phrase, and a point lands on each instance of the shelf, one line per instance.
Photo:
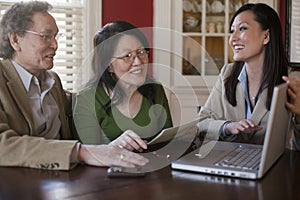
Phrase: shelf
(204, 42)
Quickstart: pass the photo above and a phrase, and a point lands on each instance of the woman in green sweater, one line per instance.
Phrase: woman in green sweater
(121, 104)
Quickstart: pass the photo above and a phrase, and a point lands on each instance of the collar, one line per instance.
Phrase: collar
(45, 77)
(24, 75)
(243, 79)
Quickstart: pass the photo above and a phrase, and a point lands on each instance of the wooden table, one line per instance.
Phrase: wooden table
(85, 182)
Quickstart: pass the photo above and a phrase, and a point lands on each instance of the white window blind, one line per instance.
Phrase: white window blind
(295, 32)
(69, 15)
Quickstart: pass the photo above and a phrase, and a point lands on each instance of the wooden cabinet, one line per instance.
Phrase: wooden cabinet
(191, 42)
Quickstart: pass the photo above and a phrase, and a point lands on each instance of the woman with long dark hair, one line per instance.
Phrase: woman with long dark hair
(122, 105)
(239, 103)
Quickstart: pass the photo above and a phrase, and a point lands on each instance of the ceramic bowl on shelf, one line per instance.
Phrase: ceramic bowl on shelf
(208, 7)
(231, 7)
(198, 6)
(238, 5)
(217, 7)
(191, 21)
(187, 6)
(191, 24)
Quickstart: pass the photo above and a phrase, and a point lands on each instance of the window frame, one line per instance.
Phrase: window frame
(292, 33)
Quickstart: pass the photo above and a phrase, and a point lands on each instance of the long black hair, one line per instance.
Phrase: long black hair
(275, 62)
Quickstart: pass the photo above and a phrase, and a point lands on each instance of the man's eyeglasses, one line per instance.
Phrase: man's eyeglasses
(47, 37)
(142, 54)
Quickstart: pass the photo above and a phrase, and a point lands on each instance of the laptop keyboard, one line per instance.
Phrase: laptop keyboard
(242, 158)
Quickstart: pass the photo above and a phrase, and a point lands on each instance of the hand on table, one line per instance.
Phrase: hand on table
(109, 155)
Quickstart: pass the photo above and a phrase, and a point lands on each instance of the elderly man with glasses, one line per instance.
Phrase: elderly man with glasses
(34, 108)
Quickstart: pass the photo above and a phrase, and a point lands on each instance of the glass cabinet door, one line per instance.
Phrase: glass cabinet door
(205, 29)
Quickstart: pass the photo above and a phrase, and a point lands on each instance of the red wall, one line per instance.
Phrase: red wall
(137, 12)
(282, 14)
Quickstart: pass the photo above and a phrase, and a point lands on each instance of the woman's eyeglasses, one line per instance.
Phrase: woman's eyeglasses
(142, 54)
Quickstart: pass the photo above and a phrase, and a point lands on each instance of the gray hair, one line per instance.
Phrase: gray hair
(17, 19)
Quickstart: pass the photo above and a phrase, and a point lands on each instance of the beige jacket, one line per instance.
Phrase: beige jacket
(220, 111)
(19, 144)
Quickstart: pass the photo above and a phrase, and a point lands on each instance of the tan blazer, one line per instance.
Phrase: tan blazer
(221, 111)
(19, 144)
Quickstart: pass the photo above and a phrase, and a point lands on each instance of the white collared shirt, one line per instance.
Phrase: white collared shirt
(45, 112)
(243, 79)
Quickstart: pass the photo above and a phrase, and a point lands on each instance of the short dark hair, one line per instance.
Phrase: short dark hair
(17, 19)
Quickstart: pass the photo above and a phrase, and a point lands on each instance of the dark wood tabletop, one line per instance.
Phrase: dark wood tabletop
(85, 182)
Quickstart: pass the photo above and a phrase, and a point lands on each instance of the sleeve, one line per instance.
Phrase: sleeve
(85, 118)
(34, 152)
(223, 134)
(214, 110)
